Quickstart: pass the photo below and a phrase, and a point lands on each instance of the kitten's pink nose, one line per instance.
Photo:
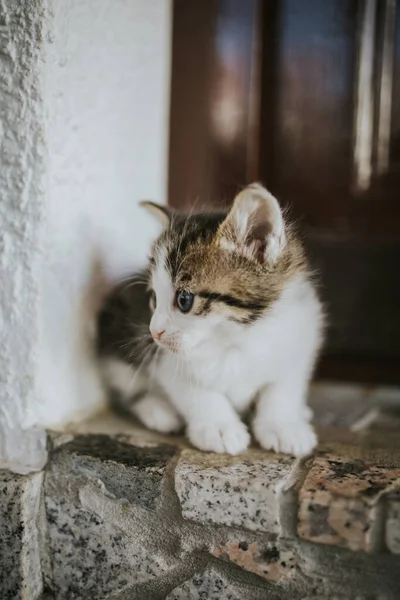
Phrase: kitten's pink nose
(158, 334)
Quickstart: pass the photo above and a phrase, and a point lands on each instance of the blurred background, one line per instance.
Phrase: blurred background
(304, 96)
(104, 103)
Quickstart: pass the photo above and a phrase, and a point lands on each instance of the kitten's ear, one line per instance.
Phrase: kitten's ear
(254, 226)
(162, 213)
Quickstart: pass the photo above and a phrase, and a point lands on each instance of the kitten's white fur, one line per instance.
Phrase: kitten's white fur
(222, 367)
(216, 368)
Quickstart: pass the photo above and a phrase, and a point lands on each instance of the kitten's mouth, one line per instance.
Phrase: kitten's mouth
(174, 348)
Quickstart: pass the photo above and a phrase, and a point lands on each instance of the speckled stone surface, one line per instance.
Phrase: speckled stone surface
(338, 502)
(134, 516)
(239, 491)
(20, 573)
(208, 585)
(118, 457)
(392, 532)
(265, 559)
(215, 585)
(101, 498)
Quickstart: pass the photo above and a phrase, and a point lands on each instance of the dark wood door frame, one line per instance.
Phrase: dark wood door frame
(214, 125)
(223, 113)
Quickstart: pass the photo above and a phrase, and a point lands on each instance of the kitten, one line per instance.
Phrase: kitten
(233, 317)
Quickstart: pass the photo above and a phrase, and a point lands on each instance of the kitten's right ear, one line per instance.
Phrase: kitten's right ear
(162, 213)
(254, 226)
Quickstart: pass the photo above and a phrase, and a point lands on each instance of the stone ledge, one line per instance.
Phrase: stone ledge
(161, 520)
(138, 515)
(103, 496)
(214, 583)
(340, 501)
(20, 571)
(242, 491)
(392, 529)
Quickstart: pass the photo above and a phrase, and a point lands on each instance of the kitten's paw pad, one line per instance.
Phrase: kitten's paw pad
(229, 437)
(156, 413)
(297, 437)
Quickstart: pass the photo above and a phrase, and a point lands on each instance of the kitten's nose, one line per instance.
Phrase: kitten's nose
(158, 334)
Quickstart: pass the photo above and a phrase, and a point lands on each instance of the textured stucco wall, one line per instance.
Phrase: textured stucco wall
(84, 90)
(107, 89)
(22, 156)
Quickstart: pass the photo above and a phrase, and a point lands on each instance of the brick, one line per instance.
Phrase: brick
(240, 491)
(20, 572)
(102, 498)
(338, 500)
(392, 532)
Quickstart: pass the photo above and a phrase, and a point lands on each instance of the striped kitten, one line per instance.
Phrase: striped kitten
(233, 318)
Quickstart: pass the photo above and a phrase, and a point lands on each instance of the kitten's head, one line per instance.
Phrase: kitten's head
(213, 274)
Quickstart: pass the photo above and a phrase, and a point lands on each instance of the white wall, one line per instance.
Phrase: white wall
(104, 69)
(21, 216)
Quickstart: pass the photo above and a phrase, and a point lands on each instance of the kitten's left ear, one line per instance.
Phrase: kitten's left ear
(254, 226)
(162, 213)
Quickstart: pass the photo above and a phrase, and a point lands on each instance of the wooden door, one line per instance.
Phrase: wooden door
(303, 95)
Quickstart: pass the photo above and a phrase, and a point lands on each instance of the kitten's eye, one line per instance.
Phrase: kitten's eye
(153, 300)
(184, 301)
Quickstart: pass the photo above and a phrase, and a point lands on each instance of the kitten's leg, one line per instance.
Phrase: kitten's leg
(157, 413)
(152, 409)
(124, 378)
(212, 423)
(282, 419)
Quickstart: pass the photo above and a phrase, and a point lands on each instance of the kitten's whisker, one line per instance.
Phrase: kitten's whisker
(143, 345)
(134, 278)
(138, 325)
(151, 368)
(131, 285)
(145, 359)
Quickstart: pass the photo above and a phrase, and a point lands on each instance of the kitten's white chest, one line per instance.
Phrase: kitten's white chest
(274, 349)
(234, 372)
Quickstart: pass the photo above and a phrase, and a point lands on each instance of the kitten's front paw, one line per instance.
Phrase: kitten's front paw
(295, 437)
(231, 437)
(158, 414)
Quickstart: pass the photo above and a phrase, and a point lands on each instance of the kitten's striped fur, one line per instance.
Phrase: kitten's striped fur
(220, 278)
